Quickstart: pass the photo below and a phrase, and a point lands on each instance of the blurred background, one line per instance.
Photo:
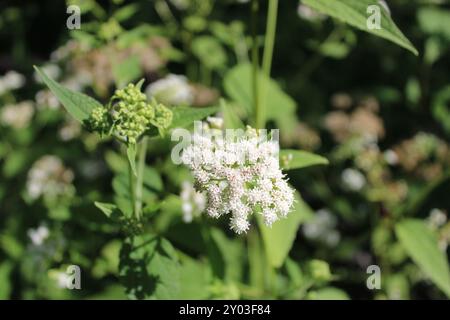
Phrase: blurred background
(377, 112)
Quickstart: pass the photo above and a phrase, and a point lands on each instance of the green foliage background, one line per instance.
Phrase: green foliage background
(364, 103)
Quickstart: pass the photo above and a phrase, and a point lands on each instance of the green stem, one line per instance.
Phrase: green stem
(140, 177)
(269, 41)
(255, 64)
(132, 189)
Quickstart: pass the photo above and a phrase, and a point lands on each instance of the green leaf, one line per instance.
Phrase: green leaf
(184, 116)
(421, 245)
(295, 159)
(354, 12)
(107, 208)
(126, 71)
(131, 154)
(210, 52)
(279, 238)
(149, 268)
(278, 106)
(230, 117)
(5, 279)
(77, 104)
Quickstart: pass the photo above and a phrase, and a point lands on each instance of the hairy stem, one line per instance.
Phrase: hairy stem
(132, 189)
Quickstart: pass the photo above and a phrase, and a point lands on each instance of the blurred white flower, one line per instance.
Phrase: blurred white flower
(70, 130)
(385, 6)
(171, 90)
(322, 228)
(49, 177)
(391, 157)
(307, 13)
(180, 4)
(353, 179)
(437, 218)
(46, 99)
(17, 115)
(10, 81)
(240, 176)
(38, 235)
(193, 202)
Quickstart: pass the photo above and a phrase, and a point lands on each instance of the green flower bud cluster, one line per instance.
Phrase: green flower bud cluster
(100, 120)
(129, 114)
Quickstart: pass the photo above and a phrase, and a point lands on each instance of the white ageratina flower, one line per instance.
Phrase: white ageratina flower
(70, 130)
(171, 90)
(17, 115)
(10, 81)
(193, 202)
(240, 176)
(322, 228)
(49, 177)
(353, 179)
(38, 235)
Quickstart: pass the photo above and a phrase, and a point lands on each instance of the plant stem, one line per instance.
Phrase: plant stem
(132, 189)
(255, 64)
(269, 40)
(140, 177)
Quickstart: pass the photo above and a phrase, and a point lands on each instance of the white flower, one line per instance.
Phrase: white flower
(390, 157)
(322, 228)
(49, 177)
(171, 90)
(10, 81)
(38, 235)
(45, 99)
(193, 202)
(307, 13)
(353, 179)
(437, 218)
(17, 116)
(240, 176)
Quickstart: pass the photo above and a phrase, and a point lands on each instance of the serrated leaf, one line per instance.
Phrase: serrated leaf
(149, 268)
(184, 116)
(421, 245)
(296, 159)
(279, 238)
(77, 104)
(354, 12)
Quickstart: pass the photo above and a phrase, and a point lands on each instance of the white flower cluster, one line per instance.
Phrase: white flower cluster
(193, 202)
(49, 177)
(171, 90)
(38, 235)
(322, 228)
(17, 115)
(10, 81)
(240, 176)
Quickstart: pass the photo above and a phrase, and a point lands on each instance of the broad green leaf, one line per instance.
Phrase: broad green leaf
(77, 104)
(279, 238)
(149, 268)
(421, 245)
(131, 154)
(195, 278)
(184, 116)
(278, 106)
(355, 13)
(295, 159)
